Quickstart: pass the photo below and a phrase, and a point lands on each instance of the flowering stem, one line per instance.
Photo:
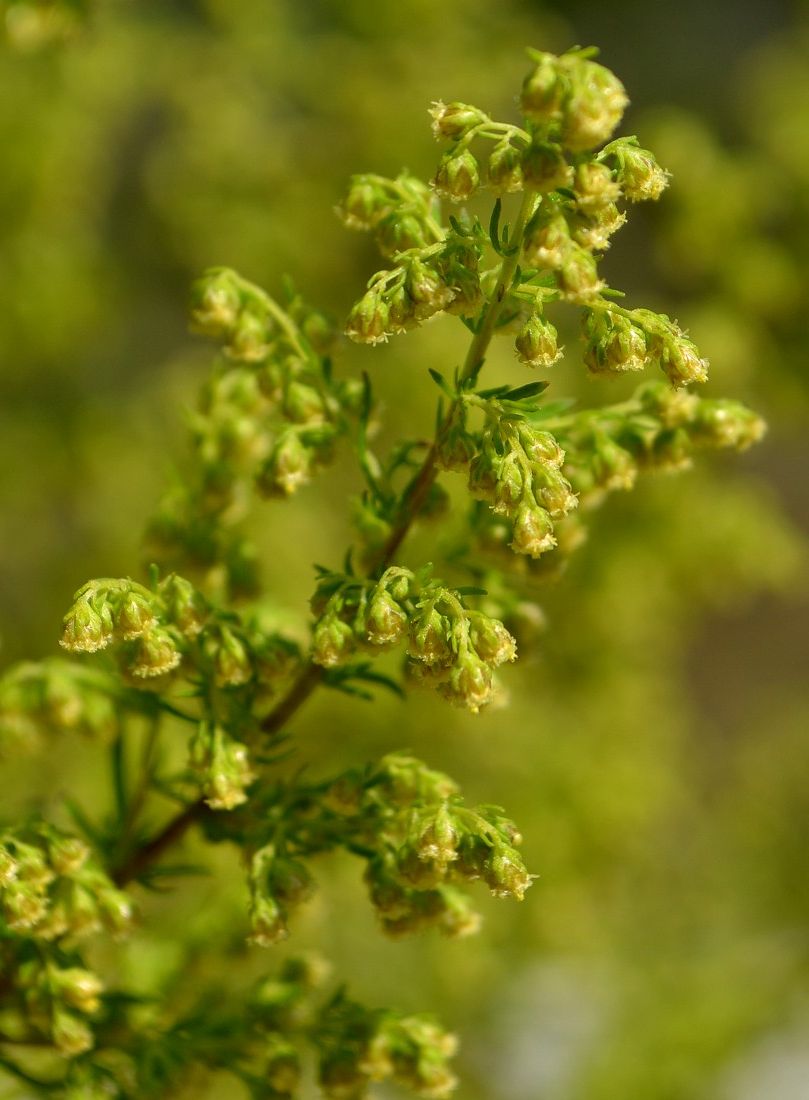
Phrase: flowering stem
(413, 499)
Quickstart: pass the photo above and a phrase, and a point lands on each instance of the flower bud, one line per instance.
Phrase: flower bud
(303, 404)
(222, 765)
(287, 467)
(283, 1070)
(613, 466)
(81, 989)
(536, 344)
(368, 320)
(578, 277)
(532, 533)
(594, 186)
(552, 491)
(232, 664)
(397, 232)
(185, 605)
(135, 615)
(454, 120)
(70, 1033)
(438, 839)
(640, 176)
(427, 289)
(333, 642)
(290, 882)
(249, 340)
(385, 621)
(87, 630)
(268, 921)
(156, 653)
(428, 638)
(510, 485)
(594, 233)
(215, 303)
(491, 640)
(547, 241)
(363, 204)
(540, 446)
(543, 90)
(545, 168)
(594, 108)
(67, 854)
(505, 172)
(505, 873)
(469, 683)
(682, 364)
(457, 177)
(727, 424)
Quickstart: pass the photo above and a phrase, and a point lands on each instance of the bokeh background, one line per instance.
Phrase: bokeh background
(655, 751)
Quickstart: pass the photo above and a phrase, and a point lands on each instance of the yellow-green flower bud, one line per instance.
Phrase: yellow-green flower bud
(578, 276)
(427, 289)
(532, 533)
(491, 640)
(186, 607)
(385, 621)
(469, 683)
(547, 240)
(135, 615)
(505, 172)
(397, 232)
(594, 186)
(614, 467)
(552, 491)
(268, 921)
(682, 363)
(453, 120)
(595, 106)
(640, 176)
(283, 1069)
(727, 424)
(543, 90)
(457, 177)
(505, 874)
(249, 341)
(70, 1033)
(333, 642)
(216, 302)
(81, 989)
(536, 344)
(364, 203)
(545, 168)
(540, 446)
(87, 630)
(223, 766)
(156, 653)
(287, 467)
(368, 320)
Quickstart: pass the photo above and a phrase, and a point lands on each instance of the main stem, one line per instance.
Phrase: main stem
(412, 502)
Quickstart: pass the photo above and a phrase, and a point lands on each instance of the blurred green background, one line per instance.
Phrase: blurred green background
(655, 751)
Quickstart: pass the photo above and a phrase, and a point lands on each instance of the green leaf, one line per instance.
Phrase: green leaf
(441, 382)
(494, 227)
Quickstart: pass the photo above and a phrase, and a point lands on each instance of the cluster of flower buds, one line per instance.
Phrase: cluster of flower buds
(401, 213)
(51, 887)
(278, 883)
(222, 766)
(58, 1001)
(517, 472)
(658, 428)
(620, 340)
(449, 646)
(152, 628)
(561, 239)
(55, 696)
(422, 844)
(361, 1047)
(425, 282)
(573, 99)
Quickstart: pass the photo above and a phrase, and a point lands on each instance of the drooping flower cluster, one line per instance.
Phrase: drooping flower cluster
(269, 418)
(421, 844)
(55, 696)
(356, 1046)
(171, 631)
(620, 340)
(53, 892)
(517, 472)
(449, 646)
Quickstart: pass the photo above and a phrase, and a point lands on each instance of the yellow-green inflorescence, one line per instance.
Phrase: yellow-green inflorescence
(181, 650)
